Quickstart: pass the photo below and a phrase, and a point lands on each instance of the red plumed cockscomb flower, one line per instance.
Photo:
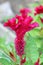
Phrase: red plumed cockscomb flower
(39, 9)
(21, 24)
(24, 12)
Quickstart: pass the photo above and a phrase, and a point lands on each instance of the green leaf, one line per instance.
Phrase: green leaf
(5, 59)
(35, 32)
(41, 58)
(3, 45)
(37, 19)
(28, 62)
(39, 41)
(31, 49)
(41, 33)
(8, 48)
(41, 64)
(41, 15)
(41, 48)
(2, 41)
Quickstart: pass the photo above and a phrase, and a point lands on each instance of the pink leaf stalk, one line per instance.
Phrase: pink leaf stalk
(39, 10)
(21, 24)
(41, 20)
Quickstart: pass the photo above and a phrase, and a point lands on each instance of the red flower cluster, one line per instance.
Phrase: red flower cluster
(39, 10)
(21, 24)
(37, 63)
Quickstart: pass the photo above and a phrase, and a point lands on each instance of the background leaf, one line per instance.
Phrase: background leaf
(31, 49)
(5, 59)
